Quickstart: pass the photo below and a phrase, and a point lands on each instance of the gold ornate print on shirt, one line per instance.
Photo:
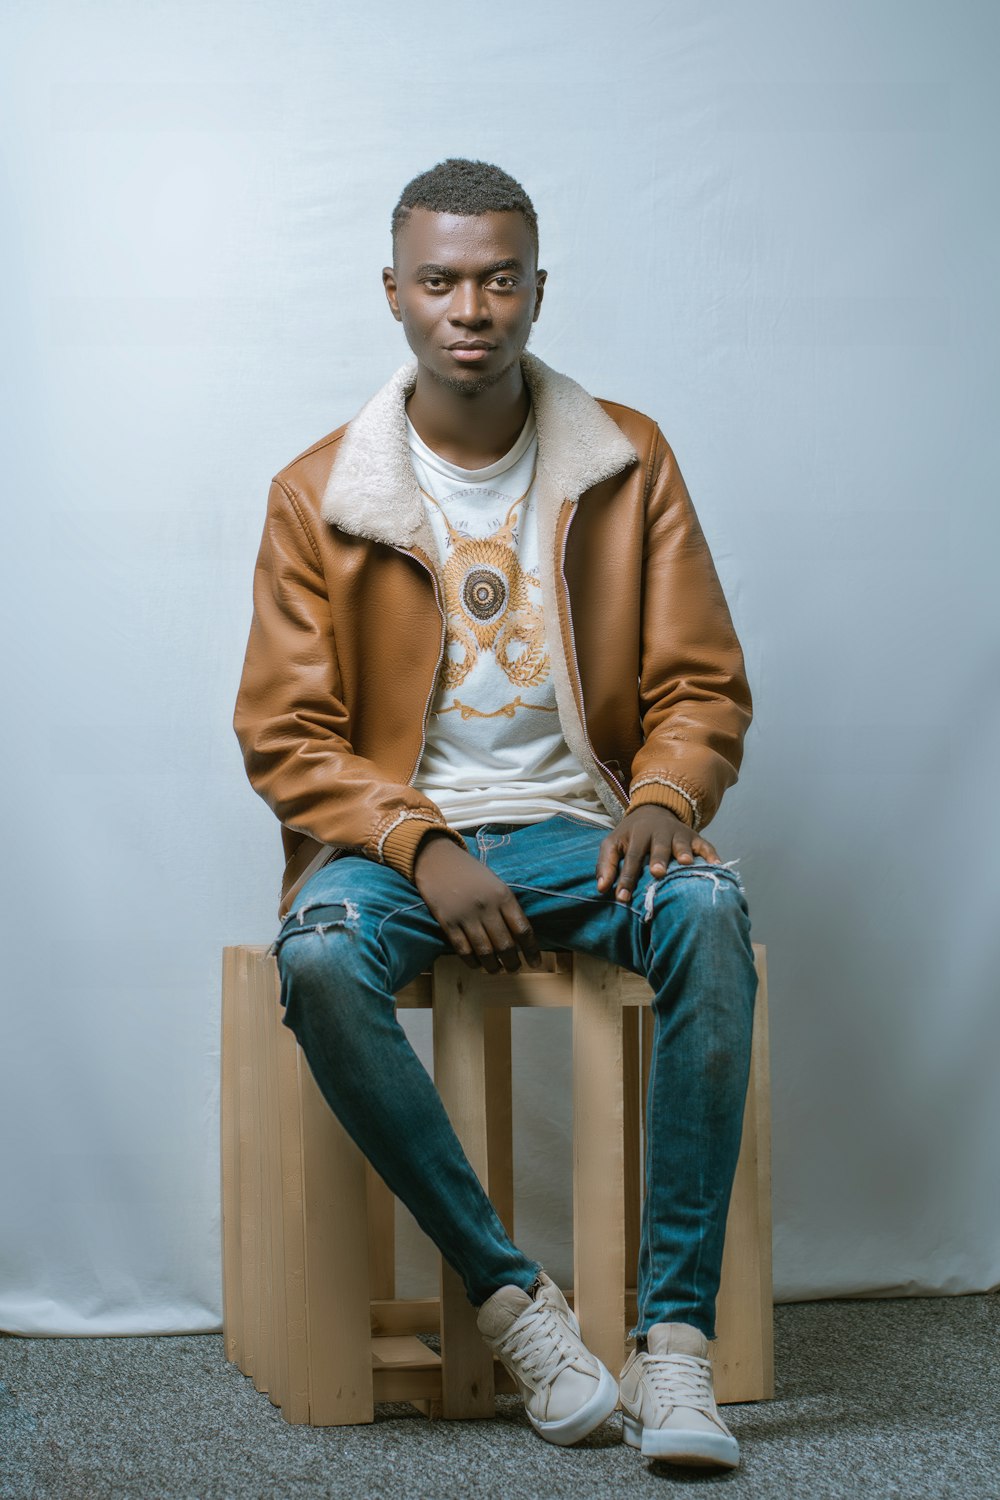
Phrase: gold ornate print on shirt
(488, 607)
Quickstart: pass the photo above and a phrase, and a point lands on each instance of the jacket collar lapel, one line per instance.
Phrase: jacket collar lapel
(372, 490)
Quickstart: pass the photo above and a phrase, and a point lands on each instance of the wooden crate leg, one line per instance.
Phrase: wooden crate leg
(381, 1234)
(249, 1145)
(232, 1273)
(295, 1404)
(273, 1315)
(743, 1353)
(338, 1302)
(460, 1075)
(499, 1112)
(262, 1371)
(599, 1159)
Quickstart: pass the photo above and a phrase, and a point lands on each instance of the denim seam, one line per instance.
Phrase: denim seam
(521, 885)
(579, 822)
(410, 906)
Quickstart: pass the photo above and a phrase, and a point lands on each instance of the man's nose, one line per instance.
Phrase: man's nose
(468, 305)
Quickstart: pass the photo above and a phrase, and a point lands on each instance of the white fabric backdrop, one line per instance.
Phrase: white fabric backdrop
(768, 226)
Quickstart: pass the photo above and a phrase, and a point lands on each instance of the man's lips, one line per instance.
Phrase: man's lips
(470, 353)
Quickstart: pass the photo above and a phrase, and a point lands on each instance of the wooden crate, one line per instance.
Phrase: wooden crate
(309, 1305)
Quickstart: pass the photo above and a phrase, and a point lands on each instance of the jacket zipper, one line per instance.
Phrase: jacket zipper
(405, 551)
(577, 687)
(578, 694)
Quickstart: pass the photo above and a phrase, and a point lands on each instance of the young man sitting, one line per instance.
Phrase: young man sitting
(493, 694)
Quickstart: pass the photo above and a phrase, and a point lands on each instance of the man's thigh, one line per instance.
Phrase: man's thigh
(551, 866)
(390, 923)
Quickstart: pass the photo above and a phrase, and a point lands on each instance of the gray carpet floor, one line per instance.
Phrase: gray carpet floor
(877, 1398)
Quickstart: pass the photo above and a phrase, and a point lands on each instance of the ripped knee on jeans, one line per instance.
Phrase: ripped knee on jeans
(324, 917)
(722, 876)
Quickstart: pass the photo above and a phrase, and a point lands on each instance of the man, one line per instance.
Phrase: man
(493, 693)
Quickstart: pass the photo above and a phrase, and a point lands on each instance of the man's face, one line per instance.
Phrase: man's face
(466, 291)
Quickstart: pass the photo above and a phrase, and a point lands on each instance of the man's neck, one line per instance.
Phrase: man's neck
(468, 430)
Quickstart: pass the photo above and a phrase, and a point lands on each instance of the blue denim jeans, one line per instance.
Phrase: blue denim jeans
(360, 932)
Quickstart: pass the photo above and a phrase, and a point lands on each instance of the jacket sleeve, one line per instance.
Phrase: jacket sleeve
(290, 718)
(695, 701)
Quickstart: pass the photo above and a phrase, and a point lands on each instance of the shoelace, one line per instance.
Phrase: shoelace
(539, 1344)
(680, 1380)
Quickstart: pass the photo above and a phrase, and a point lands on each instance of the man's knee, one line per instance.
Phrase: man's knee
(299, 942)
(319, 952)
(700, 896)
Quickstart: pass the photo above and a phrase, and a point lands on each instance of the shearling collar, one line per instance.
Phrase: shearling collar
(372, 490)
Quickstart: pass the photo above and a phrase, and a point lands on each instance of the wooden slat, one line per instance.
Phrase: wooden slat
(403, 1353)
(416, 995)
(249, 1176)
(295, 1405)
(761, 1084)
(229, 1122)
(264, 1371)
(408, 1385)
(460, 1075)
(336, 1258)
(499, 1112)
(266, 999)
(598, 1159)
(398, 1315)
(381, 1234)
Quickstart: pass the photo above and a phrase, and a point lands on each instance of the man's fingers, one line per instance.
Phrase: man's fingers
(659, 857)
(682, 848)
(461, 945)
(522, 931)
(504, 945)
(483, 947)
(705, 849)
(631, 870)
(607, 863)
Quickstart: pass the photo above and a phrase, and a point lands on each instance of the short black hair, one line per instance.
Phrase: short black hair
(459, 186)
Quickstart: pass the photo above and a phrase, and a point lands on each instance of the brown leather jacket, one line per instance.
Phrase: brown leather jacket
(348, 631)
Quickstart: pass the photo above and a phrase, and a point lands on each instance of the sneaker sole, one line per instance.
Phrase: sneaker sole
(696, 1448)
(581, 1423)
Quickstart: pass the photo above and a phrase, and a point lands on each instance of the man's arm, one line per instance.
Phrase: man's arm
(694, 697)
(693, 692)
(290, 718)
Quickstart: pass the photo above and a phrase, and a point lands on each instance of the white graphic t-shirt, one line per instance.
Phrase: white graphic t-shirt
(494, 750)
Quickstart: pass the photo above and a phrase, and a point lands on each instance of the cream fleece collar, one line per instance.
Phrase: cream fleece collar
(372, 490)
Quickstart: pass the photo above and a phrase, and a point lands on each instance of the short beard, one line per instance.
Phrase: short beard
(475, 387)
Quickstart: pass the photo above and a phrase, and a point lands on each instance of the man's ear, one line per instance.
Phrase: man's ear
(389, 282)
(540, 277)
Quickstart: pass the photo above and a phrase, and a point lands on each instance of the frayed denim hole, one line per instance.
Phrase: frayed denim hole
(342, 914)
(721, 876)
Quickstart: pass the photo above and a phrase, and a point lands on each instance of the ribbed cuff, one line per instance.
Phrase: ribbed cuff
(660, 795)
(400, 847)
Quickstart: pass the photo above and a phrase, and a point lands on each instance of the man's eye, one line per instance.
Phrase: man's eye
(507, 282)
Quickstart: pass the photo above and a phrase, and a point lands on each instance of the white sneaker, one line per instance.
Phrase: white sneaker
(668, 1404)
(566, 1390)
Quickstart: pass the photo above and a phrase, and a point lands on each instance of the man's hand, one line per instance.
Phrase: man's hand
(653, 832)
(477, 911)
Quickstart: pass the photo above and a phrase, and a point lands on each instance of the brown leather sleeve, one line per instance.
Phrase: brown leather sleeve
(291, 722)
(694, 697)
